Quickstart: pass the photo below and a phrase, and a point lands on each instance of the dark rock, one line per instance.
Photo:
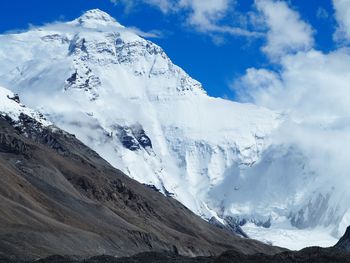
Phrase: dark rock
(344, 242)
(15, 98)
(308, 255)
(142, 138)
(153, 187)
(72, 79)
(128, 141)
(133, 138)
(12, 144)
(229, 225)
(57, 259)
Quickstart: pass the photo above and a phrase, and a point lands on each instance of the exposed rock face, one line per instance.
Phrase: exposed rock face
(344, 242)
(230, 226)
(134, 138)
(307, 255)
(59, 197)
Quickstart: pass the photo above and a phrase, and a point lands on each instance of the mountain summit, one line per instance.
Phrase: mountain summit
(96, 17)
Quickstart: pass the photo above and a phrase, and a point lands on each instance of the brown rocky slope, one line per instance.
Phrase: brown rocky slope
(59, 197)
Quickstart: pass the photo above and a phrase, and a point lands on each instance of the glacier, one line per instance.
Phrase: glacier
(122, 96)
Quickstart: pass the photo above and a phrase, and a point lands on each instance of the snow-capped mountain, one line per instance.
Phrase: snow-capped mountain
(123, 97)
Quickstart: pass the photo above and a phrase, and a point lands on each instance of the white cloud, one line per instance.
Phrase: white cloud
(258, 85)
(312, 88)
(205, 13)
(164, 5)
(149, 34)
(202, 15)
(342, 14)
(286, 31)
(310, 85)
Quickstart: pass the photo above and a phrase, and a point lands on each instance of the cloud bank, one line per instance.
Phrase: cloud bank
(308, 83)
(312, 89)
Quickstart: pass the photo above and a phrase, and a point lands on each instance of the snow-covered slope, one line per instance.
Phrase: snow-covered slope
(11, 107)
(122, 96)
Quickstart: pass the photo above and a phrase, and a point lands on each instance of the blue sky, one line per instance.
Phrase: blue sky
(213, 58)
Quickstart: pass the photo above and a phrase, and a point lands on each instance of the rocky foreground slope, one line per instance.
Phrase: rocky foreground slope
(339, 253)
(308, 255)
(57, 196)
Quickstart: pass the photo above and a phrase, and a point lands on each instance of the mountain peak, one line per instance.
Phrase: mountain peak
(96, 16)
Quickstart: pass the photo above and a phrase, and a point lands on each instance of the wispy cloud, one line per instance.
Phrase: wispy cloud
(342, 15)
(205, 16)
(149, 34)
(322, 13)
